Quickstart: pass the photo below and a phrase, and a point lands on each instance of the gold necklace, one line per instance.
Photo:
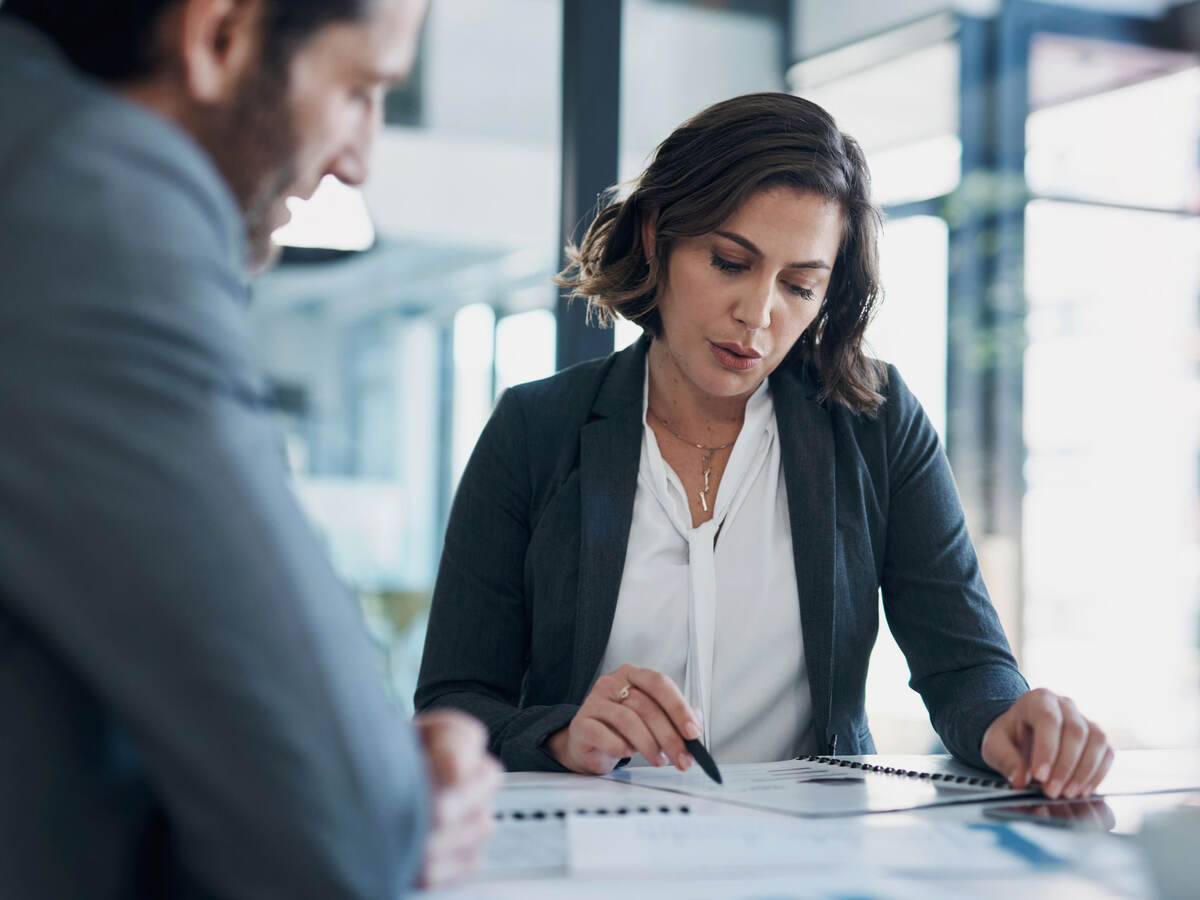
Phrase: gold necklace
(705, 461)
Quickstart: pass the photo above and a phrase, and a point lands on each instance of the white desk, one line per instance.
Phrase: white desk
(1101, 865)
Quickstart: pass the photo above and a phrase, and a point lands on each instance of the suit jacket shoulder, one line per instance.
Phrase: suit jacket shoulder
(69, 139)
(109, 210)
(551, 412)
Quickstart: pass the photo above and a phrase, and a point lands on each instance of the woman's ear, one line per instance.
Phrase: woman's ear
(219, 41)
(648, 232)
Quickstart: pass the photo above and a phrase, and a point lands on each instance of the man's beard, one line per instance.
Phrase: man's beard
(254, 145)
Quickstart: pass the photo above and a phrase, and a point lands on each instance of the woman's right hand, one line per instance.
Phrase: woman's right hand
(627, 711)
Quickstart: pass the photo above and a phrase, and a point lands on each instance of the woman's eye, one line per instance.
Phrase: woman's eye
(725, 265)
(799, 291)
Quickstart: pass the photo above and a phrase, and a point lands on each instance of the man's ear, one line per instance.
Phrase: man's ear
(219, 41)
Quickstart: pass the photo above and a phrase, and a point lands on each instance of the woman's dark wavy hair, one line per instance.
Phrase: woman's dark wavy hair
(114, 41)
(699, 177)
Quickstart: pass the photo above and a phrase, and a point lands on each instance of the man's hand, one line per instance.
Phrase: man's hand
(1043, 738)
(465, 779)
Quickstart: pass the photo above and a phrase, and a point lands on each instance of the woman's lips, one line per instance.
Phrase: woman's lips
(736, 357)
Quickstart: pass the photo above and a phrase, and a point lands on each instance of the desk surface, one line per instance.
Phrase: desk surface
(1101, 865)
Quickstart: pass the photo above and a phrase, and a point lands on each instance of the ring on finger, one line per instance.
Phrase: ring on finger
(623, 693)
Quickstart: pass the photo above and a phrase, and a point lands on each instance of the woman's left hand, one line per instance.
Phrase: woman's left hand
(1043, 737)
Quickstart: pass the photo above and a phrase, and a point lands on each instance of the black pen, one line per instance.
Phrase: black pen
(707, 763)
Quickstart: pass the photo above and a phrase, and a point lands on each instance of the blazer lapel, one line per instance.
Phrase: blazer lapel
(609, 452)
(809, 470)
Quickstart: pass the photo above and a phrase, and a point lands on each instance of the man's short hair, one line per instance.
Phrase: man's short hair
(114, 40)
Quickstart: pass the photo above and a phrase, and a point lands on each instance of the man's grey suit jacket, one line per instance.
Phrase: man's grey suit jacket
(534, 551)
(189, 702)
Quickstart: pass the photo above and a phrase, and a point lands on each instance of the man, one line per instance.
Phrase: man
(190, 706)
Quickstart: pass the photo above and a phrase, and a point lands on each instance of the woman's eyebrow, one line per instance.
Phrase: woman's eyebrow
(749, 245)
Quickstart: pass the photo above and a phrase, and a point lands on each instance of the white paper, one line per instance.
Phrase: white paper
(526, 847)
(687, 844)
(533, 808)
(738, 886)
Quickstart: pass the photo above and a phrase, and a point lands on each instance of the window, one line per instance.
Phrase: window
(1111, 531)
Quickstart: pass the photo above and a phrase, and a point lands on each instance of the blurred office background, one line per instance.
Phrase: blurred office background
(1039, 168)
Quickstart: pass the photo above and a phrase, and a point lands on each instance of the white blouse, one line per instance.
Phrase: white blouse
(720, 617)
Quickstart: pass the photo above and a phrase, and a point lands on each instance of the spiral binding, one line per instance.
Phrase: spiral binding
(521, 815)
(973, 780)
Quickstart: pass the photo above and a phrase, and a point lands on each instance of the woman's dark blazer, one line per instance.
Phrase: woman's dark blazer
(532, 563)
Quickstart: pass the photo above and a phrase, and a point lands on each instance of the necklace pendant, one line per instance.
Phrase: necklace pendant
(703, 500)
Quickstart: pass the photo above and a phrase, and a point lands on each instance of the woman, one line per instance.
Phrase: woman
(689, 537)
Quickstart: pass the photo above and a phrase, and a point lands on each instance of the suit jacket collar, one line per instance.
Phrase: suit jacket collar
(610, 452)
(621, 389)
(808, 456)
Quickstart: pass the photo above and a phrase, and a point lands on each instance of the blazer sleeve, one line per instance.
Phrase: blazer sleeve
(477, 646)
(934, 598)
(150, 540)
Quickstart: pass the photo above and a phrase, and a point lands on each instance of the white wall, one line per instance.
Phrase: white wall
(493, 69)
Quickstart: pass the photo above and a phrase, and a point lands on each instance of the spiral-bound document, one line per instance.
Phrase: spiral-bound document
(530, 796)
(533, 809)
(829, 786)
